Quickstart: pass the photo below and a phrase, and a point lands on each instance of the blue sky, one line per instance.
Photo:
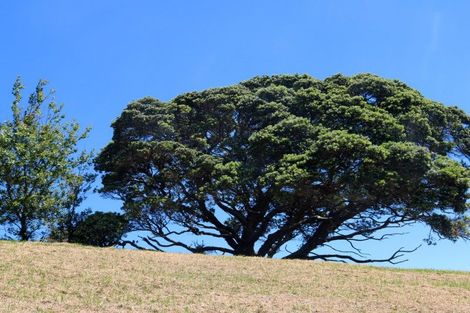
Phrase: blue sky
(100, 55)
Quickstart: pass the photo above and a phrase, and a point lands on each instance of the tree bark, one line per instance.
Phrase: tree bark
(23, 233)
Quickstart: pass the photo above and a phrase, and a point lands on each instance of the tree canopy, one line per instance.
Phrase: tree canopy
(39, 159)
(290, 160)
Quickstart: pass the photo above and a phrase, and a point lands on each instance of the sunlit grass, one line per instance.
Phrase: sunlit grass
(36, 277)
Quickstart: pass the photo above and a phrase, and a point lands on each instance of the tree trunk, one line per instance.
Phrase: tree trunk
(245, 249)
(317, 239)
(23, 233)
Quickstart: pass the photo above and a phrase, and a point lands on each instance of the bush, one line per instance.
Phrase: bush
(101, 229)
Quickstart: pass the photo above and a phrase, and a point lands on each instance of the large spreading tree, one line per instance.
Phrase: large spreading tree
(43, 175)
(290, 161)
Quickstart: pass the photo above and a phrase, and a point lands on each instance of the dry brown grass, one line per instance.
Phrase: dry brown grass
(38, 277)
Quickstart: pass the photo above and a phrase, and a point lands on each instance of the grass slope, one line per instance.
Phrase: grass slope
(36, 277)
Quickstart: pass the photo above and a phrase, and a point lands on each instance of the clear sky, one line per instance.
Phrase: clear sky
(100, 55)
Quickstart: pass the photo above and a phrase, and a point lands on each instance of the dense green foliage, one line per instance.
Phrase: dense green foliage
(38, 164)
(290, 158)
(63, 227)
(100, 229)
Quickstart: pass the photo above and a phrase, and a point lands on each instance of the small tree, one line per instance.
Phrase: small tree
(38, 155)
(100, 229)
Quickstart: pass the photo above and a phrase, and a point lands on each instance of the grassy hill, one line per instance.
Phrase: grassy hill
(36, 277)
